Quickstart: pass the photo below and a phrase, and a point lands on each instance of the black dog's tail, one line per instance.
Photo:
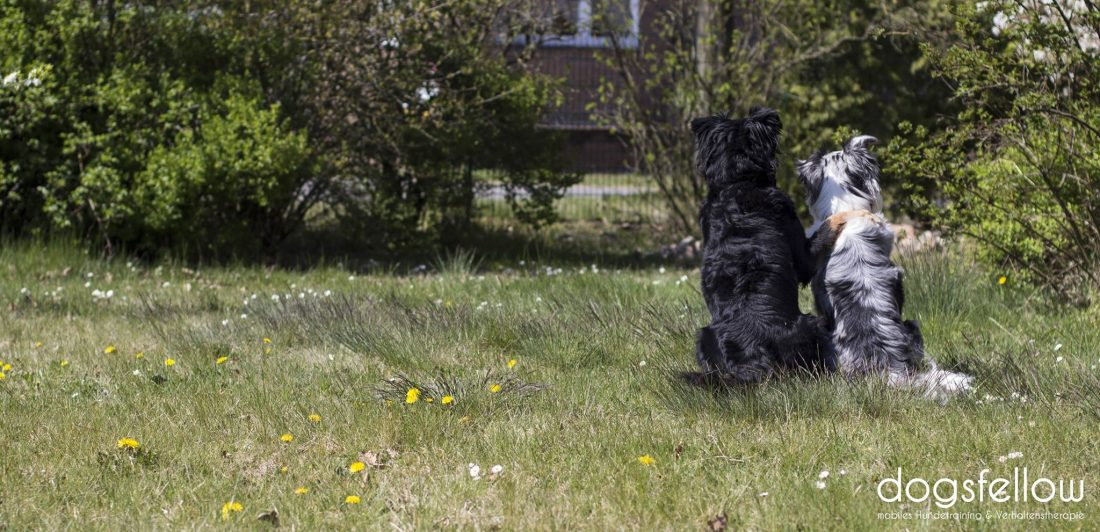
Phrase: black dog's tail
(708, 353)
(808, 345)
(727, 361)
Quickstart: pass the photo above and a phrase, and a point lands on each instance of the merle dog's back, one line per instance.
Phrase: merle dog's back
(755, 255)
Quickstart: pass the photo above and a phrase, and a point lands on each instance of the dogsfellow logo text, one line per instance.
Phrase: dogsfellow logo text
(946, 492)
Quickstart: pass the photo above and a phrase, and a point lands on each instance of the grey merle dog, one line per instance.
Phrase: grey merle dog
(857, 288)
(755, 255)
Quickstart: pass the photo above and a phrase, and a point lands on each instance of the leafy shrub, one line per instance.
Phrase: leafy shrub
(218, 126)
(1017, 169)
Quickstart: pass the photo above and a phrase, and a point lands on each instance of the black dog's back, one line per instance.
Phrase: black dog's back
(755, 254)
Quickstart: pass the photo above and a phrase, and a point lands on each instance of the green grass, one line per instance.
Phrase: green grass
(595, 387)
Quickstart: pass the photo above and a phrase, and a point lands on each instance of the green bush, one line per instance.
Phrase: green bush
(128, 139)
(1018, 168)
(217, 127)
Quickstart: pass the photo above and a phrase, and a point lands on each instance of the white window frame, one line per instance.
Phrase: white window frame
(584, 38)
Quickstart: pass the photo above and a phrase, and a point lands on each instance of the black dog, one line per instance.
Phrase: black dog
(755, 255)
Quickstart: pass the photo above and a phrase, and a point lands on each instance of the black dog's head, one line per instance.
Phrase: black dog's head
(728, 150)
(844, 180)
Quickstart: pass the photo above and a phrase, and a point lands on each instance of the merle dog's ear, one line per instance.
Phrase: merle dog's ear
(764, 126)
(811, 173)
(862, 142)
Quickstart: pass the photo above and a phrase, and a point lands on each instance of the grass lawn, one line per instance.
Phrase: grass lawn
(594, 388)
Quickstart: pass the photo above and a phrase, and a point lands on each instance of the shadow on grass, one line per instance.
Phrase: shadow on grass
(495, 246)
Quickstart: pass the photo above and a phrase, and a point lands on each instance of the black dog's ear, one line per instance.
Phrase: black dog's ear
(862, 142)
(701, 125)
(764, 126)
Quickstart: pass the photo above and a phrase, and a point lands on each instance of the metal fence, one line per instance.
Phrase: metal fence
(599, 197)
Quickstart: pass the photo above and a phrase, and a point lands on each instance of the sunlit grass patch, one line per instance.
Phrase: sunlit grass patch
(545, 397)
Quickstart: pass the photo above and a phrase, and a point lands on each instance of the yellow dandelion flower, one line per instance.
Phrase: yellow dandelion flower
(267, 350)
(267, 340)
(429, 400)
(1002, 280)
(512, 363)
(109, 349)
(287, 438)
(139, 355)
(356, 467)
(352, 499)
(221, 360)
(5, 367)
(284, 469)
(128, 443)
(412, 395)
(231, 506)
(448, 399)
(63, 363)
(495, 388)
(315, 418)
(169, 362)
(645, 459)
(301, 490)
(2, 376)
(38, 344)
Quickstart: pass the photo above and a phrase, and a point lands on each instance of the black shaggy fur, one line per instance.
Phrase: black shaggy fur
(755, 255)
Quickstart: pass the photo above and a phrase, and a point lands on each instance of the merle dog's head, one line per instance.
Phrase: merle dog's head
(845, 180)
(728, 150)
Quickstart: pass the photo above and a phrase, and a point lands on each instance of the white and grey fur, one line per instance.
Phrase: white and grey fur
(857, 288)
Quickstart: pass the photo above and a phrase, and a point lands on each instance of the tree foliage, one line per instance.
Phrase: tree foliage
(828, 67)
(1017, 168)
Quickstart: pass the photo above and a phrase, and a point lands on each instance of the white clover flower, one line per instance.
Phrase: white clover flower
(763, 494)
(1057, 347)
(823, 475)
(820, 484)
(496, 470)
(475, 471)
(225, 323)
(1015, 454)
(1059, 359)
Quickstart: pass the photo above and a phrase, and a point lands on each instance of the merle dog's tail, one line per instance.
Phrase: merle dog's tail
(933, 382)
